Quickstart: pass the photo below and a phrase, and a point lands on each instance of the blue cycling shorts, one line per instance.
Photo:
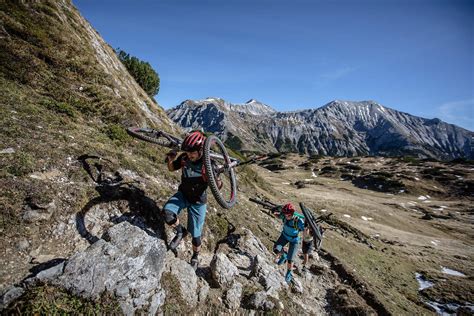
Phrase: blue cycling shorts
(196, 212)
(292, 248)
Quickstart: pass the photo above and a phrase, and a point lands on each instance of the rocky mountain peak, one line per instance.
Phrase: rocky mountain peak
(341, 104)
(341, 128)
(206, 101)
(253, 107)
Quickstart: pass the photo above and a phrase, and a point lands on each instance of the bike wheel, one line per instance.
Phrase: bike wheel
(318, 241)
(151, 136)
(220, 177)
(314, 227)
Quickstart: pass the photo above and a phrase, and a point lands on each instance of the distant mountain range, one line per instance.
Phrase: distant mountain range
(339, 128)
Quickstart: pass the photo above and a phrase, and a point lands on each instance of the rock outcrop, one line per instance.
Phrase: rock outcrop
(129, 264)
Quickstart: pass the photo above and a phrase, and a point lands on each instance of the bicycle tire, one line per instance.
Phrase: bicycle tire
(141, 133)
(224, 200)
(265, 204)
(314, 227)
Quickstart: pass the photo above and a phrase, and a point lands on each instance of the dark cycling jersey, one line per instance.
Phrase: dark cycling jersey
(193, 183)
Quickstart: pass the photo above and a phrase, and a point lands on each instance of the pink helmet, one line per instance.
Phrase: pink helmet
(193, 141)
(288, 209)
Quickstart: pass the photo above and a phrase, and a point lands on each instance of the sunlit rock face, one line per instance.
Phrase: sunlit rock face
(339, 128)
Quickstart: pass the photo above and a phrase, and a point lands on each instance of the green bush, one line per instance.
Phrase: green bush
(23, 163)
(48, 300)
(383, 174)
(116, 132)
(234, 142)
(411, 160)
(315, 158)
(142, 71)
(462, 160)
(60, 107)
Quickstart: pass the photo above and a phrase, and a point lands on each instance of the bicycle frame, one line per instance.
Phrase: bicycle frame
(226, 166)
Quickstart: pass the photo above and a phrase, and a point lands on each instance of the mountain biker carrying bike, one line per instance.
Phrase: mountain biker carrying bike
(293, 224)
(191, 193)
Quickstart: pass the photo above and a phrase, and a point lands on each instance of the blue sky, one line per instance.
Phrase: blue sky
(416, 56)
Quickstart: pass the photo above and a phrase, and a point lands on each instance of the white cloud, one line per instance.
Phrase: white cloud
(458, 112)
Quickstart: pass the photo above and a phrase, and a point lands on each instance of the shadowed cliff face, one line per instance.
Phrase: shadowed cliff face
(340, 128)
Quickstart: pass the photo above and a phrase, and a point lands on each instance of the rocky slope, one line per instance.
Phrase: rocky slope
(340, 128)
(63, 94)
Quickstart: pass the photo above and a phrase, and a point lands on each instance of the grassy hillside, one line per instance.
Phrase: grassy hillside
(63, 94)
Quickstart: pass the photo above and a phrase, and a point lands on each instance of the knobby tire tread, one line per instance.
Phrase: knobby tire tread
(135, 132)
(210, 173)
(318, 239)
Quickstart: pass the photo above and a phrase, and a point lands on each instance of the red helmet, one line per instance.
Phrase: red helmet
(288, 209)
(193, 141)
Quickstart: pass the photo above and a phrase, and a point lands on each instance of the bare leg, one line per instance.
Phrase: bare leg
(305, 259)
(289, 272)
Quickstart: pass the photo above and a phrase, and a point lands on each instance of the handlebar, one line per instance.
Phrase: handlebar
(265, 204)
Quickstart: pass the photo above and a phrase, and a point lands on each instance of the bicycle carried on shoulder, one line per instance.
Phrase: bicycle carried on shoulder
(218, 165)
(313, 222)
(270, 206)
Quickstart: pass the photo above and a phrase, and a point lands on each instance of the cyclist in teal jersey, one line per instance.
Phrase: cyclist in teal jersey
(293, 224)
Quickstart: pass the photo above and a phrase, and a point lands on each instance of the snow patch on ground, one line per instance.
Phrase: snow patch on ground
(423, 282)
(435, 242)
(449, 308)
(452, 272)
(9, 150)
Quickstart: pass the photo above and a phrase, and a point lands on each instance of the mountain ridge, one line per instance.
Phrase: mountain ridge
(340, 128)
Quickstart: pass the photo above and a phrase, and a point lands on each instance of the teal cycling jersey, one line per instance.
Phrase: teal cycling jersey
(292, 227)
